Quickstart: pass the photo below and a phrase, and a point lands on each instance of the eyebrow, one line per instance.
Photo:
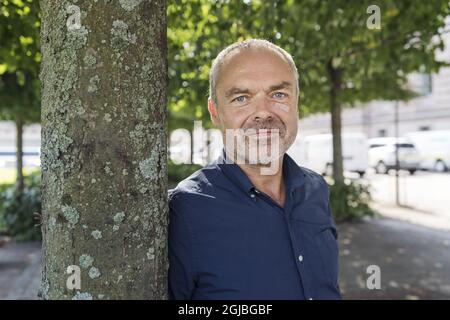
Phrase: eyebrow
(237, 90)
(282, 85)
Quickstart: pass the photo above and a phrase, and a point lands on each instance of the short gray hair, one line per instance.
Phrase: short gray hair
(247, 44)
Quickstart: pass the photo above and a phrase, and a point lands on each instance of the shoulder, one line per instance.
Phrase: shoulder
(315, 197)
(197, 187)
(313, 176)
(315, 184)
(311, 179)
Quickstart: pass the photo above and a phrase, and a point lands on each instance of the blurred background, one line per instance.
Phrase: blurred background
(374, 120)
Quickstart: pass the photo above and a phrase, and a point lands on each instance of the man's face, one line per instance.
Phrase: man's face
(256, 92)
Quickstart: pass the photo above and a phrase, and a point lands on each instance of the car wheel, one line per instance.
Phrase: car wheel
(381, 168)
(329, 170)
(439, 166)
(412, 171)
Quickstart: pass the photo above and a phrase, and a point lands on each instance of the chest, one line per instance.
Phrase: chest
(254, 244)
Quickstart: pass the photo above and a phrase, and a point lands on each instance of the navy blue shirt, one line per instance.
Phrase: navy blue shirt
(228, 240)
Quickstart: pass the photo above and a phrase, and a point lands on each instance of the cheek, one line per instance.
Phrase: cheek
(235, 119)
(293, 125)
(291, 122)
(286, 113)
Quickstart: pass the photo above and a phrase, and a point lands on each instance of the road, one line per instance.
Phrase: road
(427, 193)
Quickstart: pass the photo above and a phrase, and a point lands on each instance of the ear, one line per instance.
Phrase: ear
(213, 112)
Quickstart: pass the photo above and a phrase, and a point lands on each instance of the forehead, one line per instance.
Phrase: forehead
(254, 67)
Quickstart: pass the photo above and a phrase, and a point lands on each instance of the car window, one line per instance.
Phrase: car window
(406, 145)
(376, 145)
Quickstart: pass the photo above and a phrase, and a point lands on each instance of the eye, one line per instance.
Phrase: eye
(279, 95)
(239, 99)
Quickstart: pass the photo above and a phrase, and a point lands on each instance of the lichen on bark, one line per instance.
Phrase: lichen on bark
(104, 184)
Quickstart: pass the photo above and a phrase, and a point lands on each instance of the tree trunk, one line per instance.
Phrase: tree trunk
(104, 149)
(335, 79)
(19, 154)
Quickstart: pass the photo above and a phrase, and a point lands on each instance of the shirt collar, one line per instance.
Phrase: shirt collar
(293, 175)
(234, 172)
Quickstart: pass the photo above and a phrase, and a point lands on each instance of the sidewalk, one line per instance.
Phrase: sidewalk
(414, 259)
(20, 270)
(419, 217)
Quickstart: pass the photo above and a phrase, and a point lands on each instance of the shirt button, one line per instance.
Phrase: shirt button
(300, 258)
(252, 195)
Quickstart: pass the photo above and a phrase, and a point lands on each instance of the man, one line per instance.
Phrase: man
(237, 231)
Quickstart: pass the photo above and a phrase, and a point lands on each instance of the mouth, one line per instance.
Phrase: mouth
(260, 133)
(264, 133)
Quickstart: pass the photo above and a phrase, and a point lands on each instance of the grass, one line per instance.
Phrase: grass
(8, 175)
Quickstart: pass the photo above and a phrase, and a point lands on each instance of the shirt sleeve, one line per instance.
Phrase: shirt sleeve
(181, 273)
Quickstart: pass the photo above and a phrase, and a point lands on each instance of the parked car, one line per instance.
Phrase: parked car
(382, 154)
(433, 147)
(316, 152)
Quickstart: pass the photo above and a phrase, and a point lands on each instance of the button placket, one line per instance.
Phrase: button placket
(299, 257)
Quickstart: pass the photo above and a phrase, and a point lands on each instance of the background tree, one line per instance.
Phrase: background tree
(104, 188)
(341, 61)
(19, 69)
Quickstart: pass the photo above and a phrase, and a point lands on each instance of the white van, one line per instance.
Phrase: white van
(382, 154)
(316, 152)
(433, 147)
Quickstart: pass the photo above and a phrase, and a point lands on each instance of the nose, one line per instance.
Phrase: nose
(262, 109)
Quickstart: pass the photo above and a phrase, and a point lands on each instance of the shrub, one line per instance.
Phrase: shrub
(178, 172)
(350, 200)
(17, 209)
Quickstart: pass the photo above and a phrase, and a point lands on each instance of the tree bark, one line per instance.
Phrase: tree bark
(19, 154)
(104, 149)
(335, 80)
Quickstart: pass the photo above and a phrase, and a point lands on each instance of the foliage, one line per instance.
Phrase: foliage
(373, 63)
(19, 60)
(178, 172)
(17, 209)
(350, 200)
(19, 68)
